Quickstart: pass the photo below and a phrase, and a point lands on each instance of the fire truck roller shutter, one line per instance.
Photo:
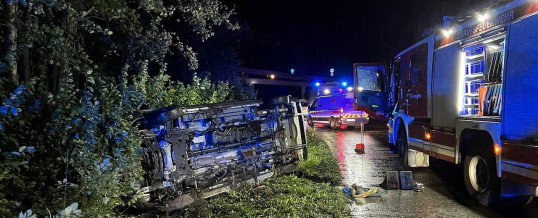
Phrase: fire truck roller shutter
(445, 86)
(519, 113)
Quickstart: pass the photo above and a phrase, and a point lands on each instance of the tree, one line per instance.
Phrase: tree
(65, 124)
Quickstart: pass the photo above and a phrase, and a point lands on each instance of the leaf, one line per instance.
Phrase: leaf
(3, 68)
(3, 109)
(90, 80)
(74, 206)
(14, 111)
(67, 211)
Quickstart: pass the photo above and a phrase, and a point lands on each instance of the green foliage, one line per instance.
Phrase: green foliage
(321, 164)
(67, 134)
(284, 196)
(80, 145)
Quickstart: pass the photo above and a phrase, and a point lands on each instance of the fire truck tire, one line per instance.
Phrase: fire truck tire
(402, 147)
(480, 178)
(310, 121)
(332, 123)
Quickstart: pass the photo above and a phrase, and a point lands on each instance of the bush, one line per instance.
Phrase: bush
(66, 134)
(80, 145)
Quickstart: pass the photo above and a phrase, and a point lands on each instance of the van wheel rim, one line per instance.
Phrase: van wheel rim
(478, 174)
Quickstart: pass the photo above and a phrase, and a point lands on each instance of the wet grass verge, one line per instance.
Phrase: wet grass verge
(321, 166)
(310, 192)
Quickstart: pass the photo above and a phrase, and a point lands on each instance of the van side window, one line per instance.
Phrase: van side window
(315, 104)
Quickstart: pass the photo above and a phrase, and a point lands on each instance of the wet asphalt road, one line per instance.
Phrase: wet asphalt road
(444, 193)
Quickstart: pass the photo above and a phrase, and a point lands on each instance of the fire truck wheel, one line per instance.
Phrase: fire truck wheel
(401, 147)
(310, 121)
(332, 123)
(480, 178)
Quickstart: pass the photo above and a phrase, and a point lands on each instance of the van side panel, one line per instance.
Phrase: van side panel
(520, 113)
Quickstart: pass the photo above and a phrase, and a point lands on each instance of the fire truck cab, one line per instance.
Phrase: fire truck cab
(467, 95)
(371, 89)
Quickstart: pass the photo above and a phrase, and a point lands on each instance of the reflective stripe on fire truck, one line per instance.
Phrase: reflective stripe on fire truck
(435, 150)
(528, 171)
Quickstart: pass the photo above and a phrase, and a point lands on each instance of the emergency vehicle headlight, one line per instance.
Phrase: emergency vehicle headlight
(482, 17)
(446, 32)
(349, 89)
(326, 91)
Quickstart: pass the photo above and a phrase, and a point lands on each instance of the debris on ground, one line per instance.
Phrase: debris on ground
(419, 187)
(406, 180)
(357, 191)
(402, 180)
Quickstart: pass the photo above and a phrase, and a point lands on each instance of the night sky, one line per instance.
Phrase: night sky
(313, 36)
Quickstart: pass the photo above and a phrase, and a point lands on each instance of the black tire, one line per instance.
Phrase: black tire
(333, 123)
(310, 121)
(480, 177)
(402, 147)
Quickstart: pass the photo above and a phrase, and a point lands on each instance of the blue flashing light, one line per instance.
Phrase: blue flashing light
(344, 84)
(317, 84)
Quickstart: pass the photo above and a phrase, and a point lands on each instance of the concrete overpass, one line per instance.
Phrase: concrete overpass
(296, 84)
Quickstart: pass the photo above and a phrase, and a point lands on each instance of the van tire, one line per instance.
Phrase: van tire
(310, 121)
(332, 123)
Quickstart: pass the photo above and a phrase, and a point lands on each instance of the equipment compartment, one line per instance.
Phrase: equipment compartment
(483, 69)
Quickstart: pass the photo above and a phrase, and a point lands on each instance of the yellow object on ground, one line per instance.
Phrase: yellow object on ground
(363, 194)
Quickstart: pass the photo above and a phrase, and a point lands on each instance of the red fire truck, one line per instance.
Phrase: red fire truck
(469, 95)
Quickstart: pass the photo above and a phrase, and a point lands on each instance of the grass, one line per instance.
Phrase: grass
(311, 192)
(321, 165)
